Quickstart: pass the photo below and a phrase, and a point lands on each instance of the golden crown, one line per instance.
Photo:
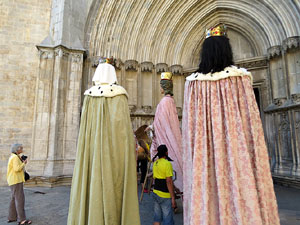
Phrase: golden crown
(220, 30)
(166, 76)
(106, 60)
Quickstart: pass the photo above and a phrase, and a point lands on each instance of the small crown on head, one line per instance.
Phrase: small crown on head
(220, 30)
(106, 60)
(166, 76)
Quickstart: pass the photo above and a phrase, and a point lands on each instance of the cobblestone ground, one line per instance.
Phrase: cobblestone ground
(50, 206)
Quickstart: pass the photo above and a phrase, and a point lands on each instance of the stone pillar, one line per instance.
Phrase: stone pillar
(120, 71)
(131, 82)
(178, 89)
(57, 111)
(147, 86)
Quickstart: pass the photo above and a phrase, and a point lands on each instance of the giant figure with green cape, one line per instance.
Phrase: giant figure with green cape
(104, 185)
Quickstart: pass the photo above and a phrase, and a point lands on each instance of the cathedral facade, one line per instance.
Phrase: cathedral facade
(50, 49)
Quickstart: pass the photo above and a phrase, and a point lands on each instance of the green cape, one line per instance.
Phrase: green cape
(104, 185)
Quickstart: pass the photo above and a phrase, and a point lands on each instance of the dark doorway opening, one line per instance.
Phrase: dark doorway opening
(257, 97)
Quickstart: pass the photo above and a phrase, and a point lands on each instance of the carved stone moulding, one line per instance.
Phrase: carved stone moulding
(147, 108)
(295, 98)
(47, 52)
(274, 51)
(176, 69)
(291, 42)
(279, 101)
(147, 66)
(161, 67)
(131, 65)
(254, 63)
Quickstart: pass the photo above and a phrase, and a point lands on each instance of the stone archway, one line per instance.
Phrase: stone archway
(148, 37)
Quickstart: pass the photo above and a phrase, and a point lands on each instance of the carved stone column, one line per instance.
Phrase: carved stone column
(147, 87)
(178, 87)
(57, 111)
(131, 82)
(277, 73)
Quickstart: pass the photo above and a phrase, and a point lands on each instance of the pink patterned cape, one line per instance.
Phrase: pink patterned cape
(226, 170)
(167, 131)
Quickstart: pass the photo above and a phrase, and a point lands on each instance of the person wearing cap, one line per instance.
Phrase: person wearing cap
(104, 184)
(166, 128)
(227, 177)
(163, 192)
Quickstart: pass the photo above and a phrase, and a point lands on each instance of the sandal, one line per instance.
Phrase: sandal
(25, 222)
(10, 221)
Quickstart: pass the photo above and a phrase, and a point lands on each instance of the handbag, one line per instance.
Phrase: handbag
(26, 175)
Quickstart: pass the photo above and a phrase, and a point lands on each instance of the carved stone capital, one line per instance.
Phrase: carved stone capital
(131, 65)
(161, 67)
(132, 108)
(76, 58)
(95, 61)
(274, 51)
(147, 66)
(46, 53)
(118, 64)
(61, 51)
(58, 52)
(295, 98)
(291, 42)
(147, 108)
(176, 69)
(279, 101)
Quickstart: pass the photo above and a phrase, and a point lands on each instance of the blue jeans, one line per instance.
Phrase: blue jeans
(163, 211)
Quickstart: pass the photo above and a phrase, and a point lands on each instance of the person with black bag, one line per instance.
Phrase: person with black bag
(15, 179)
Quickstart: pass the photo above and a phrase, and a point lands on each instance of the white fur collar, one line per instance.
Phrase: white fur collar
(106, 90)
(231, 71)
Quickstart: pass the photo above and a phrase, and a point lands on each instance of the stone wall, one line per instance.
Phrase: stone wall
(23, 24)
(283, 113)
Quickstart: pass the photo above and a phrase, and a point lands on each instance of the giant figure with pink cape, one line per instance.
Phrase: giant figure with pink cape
(166, 128)
(227, 178)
